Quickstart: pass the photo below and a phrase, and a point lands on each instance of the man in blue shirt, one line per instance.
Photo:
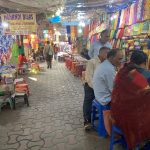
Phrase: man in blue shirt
(103, 82)
(103, 42)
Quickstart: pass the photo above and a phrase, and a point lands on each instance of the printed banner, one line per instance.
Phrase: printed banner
(20, 23)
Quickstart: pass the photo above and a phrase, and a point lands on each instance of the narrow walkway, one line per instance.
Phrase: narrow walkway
(54, 119)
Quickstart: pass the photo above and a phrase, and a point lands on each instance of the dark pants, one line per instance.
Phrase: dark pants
(87, 104)
(49, 61)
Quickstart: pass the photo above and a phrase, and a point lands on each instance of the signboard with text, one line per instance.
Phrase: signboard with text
(20, 23)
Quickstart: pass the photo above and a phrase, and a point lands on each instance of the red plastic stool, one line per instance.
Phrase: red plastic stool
(22, 87)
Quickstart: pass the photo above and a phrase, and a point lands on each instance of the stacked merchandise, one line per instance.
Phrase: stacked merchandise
(5, 48)
(97, 25)
(130, 27)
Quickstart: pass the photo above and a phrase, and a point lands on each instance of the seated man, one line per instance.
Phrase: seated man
(88, 86)
(103, 82)
(130, 103)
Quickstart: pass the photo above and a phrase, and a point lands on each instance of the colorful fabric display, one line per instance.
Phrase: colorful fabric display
(68, 33)
(68, 30)
(140, 4)
(15, 54)
(145, 27)
(133, 11)
(86, 31)
(115, 34)
(120, 33)
(135, 29)
(128, 31)
(73, 31)
(115, 44)
(127, 15)
(21, 49)
(118, 43)
(146, 12)
(112, 34)
(112, 42)
(123, 18)
(114, 21)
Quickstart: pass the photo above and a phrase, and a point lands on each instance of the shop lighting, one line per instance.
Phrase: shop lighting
(32, 36)
(57, 13)
(113, 17)
(111, 1)
(61, 9)
(46, 35)
(110, 6)
(5, 24)
(82, 24)
(80, 31)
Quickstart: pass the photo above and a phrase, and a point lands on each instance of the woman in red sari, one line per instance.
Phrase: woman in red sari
(130, 104)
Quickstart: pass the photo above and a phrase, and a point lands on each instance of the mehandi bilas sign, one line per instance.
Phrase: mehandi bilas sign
(19, 23)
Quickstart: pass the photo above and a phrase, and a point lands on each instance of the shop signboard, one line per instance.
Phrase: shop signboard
(20, 23)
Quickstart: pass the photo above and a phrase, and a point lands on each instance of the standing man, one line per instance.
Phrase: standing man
(48, 53)
(88, 86)
(103, 82)
(103, 42)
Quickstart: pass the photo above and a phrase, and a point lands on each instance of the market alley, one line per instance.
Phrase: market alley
(53, 120)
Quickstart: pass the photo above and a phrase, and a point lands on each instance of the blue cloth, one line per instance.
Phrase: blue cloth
(95, 47)
(103, 82)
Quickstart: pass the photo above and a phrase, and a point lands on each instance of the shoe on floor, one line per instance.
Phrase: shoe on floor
(87, 126)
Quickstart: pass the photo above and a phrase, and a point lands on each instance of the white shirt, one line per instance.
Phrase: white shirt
(90, 68)
(95, 47)
(103, 82)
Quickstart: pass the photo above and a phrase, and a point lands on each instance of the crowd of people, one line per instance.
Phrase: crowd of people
(44, 53)
(124, 88)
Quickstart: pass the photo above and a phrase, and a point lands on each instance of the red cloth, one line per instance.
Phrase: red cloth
(21, 59)
(86, 31)
(130, 105)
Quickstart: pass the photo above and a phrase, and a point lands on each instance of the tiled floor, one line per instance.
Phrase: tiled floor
(54, 119)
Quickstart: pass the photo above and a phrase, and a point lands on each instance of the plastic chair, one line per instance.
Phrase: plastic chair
(4, 101)
(113, 140)
(22, 88)
(97, 114)
(20, 95)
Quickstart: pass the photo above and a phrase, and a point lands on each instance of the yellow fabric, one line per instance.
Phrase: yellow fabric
(90, 68)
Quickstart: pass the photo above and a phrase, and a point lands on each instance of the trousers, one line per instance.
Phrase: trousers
(87, 104)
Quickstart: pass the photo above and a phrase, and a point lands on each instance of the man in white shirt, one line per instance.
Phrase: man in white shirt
(103, 82)
(103, 42)
(88, 86)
